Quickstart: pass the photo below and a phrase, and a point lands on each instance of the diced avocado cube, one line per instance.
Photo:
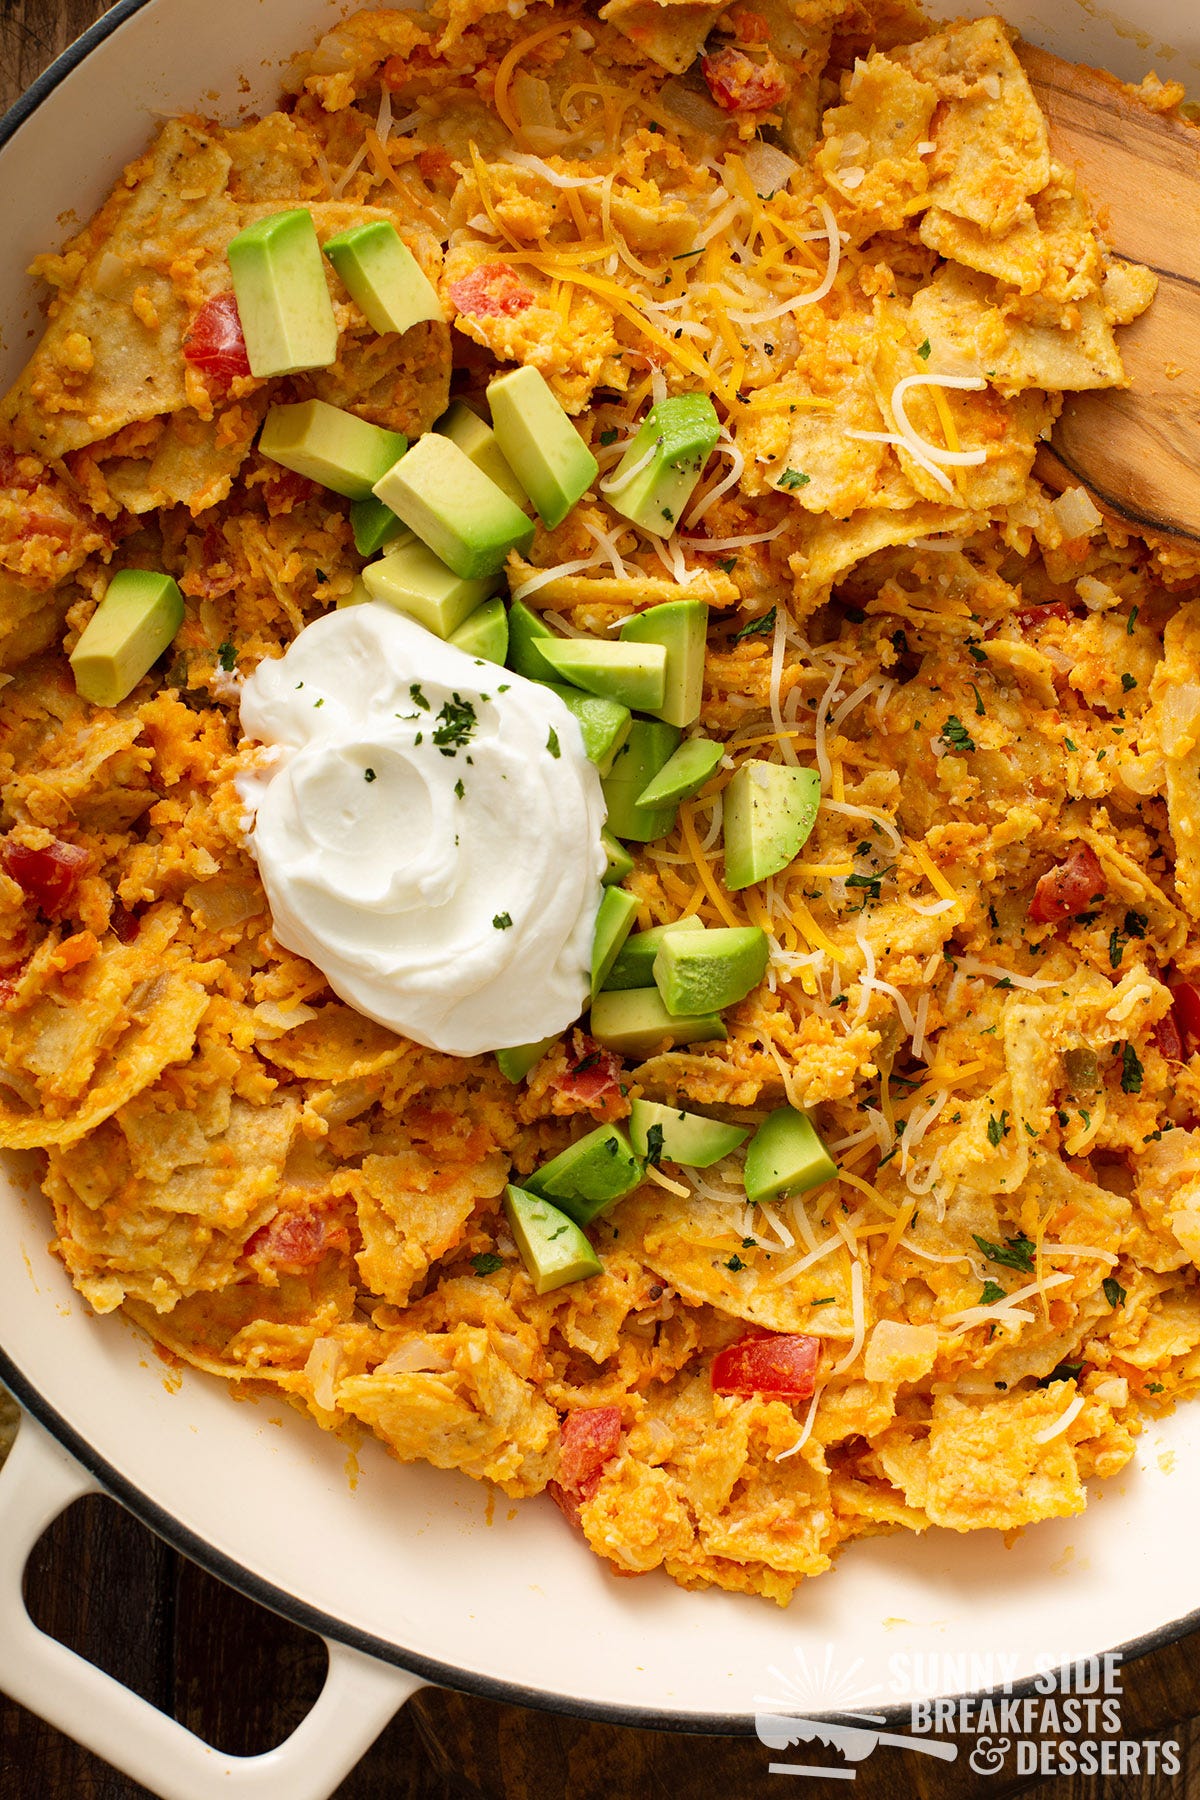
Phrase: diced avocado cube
(383, 277)
(463, 426)
(681, 627)
(359, 594)
(590, 1174)
(139, 615)
(540, 443)
(515, 1062)
(604, 724)
(614, 922)
(770, 809)
(634, 966)
(374, 525)
(620, 863)
(685, 774)
(330, 445)
(413, 580)
(464, 518)
(526, 633)
(631, 673)
(553, 1248)
(657, 475)
(697, 972)
(648, 746)
(662, 1131)
(634, 1022)
(282, 295)
(785, 1156)
(484, 632)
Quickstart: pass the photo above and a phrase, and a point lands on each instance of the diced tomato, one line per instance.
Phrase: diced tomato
(494, 290)
(777, 1365)
(739, 84)
(593, 1075)
(292, 1239)
(591, 1437)
(1167, 1038)
(124, 924)
(50, 876)
(215, 344)
(1068, 888)
(1037, 615)
(1186, 1013)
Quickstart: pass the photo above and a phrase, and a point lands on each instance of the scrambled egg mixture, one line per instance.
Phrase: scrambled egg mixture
(982, 964)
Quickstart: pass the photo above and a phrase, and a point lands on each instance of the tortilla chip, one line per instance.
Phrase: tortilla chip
(411, 1212)
(670, 32)
(1174, 720)
(1052, 252)
(873, 139)
(965, 319)
(986, 1468)
(193, 462)
(399, 382)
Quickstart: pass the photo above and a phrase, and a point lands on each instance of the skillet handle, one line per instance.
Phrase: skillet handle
(360, 1695)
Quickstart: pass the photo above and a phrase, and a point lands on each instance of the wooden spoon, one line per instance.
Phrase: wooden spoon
(1138, 448)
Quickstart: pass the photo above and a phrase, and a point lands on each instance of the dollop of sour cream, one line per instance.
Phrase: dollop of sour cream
(427, 828)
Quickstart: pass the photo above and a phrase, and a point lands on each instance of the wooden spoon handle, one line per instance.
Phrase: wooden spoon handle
(1137, 448)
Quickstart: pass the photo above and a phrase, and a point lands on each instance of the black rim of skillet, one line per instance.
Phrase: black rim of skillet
(175, 1533)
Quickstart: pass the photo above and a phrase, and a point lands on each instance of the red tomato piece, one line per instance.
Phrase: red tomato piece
(294, 1239)
(493, 291)
(1185, 1012)
(48, 877)
(591, 1436)
(124, 924)
(1037, 615)
(778, 1365)
(739, 84)
(1167, 1038)
(593, 1075)
(1068, 888)
(215, 344)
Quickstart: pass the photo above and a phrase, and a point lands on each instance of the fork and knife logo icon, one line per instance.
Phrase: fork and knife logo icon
(779, 1731)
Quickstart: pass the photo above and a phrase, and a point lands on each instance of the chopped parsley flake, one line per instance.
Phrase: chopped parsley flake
(1131, 621)
(1128, 682)
(227, 657)
(997, 1128)
(1114, 1293)
(502, 921)
(552, 743)
(609, 436)
(368, 774)
(459, 789)
(756, 627)
(1013, 1253)
(1131, 1071)
(980, 708)
(456, 722)
(793, 478)
(486, 1264)
(924, 350)
(735, 1263)
(654, 1145)
(955, 733)
(992, 1291)
(418, 698)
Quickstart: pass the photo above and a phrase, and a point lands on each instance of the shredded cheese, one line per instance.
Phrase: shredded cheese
(1066, 1417)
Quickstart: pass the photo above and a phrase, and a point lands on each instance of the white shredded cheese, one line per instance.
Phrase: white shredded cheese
(1066, 1417)
(858, 1311)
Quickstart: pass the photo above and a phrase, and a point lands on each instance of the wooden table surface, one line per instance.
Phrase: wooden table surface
(243, 1679)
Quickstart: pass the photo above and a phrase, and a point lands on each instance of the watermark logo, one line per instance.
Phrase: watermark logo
(1066, 1720)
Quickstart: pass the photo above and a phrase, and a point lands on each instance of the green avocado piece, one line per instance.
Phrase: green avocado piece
(282, 295)
(770, 810)
(681, 431)
(590, 1174)
(373, 525)
(681, 1137)
(620, 863)
(553, 1248)
(702, 972)
(413, 580)
(515, 1062)
(785, 1156)
(135, 621)
(539, 442)
(634, 1022)
(681, 627)
(383, 277)
(634, 966)
(648, 746)
(614, 922)
(463, 426)
(604, 723)
(526, 633)
(685, 774)
(332, 446)
(484, 633)
(464, 518)
(631, 673)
